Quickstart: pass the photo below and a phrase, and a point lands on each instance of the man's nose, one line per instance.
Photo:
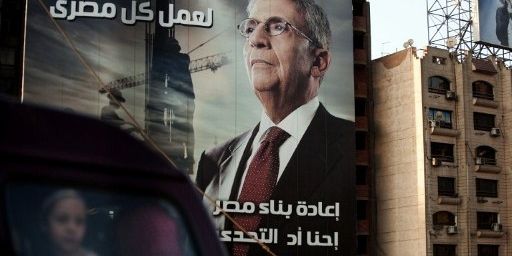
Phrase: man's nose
(259, 38)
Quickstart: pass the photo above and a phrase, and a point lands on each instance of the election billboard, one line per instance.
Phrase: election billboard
(491, 22)
(253, 99)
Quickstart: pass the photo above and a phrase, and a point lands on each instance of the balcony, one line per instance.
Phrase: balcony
(448, 200)
(487, 165)
(489, 234)
(483, 102)
(443, 158)
(442, 128)
(444, 132)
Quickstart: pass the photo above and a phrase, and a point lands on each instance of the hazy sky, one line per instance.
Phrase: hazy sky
(395, 21)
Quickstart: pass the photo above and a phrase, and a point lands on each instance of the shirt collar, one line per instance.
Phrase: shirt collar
(295, 124)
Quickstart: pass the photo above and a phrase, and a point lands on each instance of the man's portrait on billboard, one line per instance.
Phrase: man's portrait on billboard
(297, 151)
(257, 107)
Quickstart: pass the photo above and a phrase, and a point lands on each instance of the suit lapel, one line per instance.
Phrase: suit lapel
(314, 158)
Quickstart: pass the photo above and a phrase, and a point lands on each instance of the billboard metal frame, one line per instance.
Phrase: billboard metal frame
(450, 26)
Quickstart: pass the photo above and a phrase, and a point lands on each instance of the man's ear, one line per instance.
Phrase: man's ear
(321, 63)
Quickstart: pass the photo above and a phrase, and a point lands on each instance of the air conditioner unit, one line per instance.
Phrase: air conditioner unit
(479, 161)
(495, 132)
(452, 230)
(436, 162)
(496, 227)
(450, 95)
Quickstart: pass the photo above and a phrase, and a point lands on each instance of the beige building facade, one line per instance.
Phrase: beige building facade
(443, 151)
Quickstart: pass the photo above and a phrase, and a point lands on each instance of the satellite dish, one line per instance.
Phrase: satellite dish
(451, 42)
(408, 43)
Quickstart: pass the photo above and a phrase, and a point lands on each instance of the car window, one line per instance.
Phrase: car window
(58, 220)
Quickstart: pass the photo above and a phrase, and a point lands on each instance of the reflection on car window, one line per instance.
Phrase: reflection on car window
(47, 220)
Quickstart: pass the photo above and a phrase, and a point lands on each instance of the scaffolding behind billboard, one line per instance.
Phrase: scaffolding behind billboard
(451, 26)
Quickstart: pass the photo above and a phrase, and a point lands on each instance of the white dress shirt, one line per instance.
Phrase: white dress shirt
(295, 124)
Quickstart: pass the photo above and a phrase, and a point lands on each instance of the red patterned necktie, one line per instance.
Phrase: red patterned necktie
(260, 181)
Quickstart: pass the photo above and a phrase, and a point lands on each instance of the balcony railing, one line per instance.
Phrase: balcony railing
(441, 124)
(486, 193)
(443, 158)
(487, 96)
(437, 90)
(485, 161)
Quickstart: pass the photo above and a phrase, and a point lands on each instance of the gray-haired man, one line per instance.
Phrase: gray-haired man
(286, 56)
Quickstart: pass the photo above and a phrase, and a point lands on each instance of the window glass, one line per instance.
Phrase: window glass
(360, 108)
(488, 250)
(445, 186)
(444, 249)
(362, 244)
(48, 220)
(486, 188)
(443, 118)
(438, 60)
(362, 209)
(444, 218)
(482, 89)
(442, 151)
(484, 220)
(360, 140)
(483, 122)
(361, 175)
(438, 84)
(485, 155)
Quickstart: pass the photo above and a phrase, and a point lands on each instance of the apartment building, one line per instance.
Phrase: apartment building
(442, 154)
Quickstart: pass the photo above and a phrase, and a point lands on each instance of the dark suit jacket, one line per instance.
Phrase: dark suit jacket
(322, 169)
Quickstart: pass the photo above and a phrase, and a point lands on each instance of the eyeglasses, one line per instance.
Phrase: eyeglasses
(273, 26)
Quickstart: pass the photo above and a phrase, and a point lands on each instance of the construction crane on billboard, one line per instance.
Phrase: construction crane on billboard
(212, 62)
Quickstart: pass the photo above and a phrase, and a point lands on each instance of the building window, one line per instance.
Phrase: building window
(361, 175)
(486, 188)
(483, 122)
(483, 90)
(485, 155)
(358, 40)
(444, 249)
(442, 118)
(485, 220)
(443, 218)
(488, 250)
(445, 186)
(442, 151)
(360, 140)
(438, 60)
(357, 9)
(362, 209)
(362, 244)
(360, 106)
(438, 84)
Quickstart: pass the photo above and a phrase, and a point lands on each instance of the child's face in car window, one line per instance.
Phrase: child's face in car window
(66, 224)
